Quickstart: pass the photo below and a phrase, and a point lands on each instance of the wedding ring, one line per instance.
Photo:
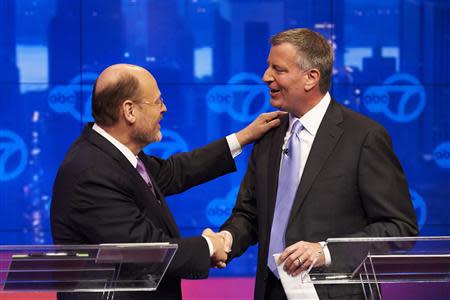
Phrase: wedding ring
(299, 261)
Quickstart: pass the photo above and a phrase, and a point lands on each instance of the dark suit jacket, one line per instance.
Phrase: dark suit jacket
(352, 186)
(98, 197)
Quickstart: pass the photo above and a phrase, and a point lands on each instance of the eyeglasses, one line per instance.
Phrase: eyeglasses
(159, 102)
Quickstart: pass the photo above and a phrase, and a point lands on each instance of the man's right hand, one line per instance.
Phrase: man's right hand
(219, 256)
(256, 129)
(228, 238)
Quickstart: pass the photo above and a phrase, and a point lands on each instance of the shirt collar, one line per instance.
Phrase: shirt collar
(312, 119)
(122, 148)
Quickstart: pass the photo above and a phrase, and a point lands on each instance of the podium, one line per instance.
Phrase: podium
(105, 268)
(365, 263)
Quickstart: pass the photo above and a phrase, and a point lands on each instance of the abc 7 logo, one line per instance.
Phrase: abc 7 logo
(240, 100)
(13, 155)
(420, 207)
(442, 155)
(171, 143)
(411, 101)
(64, 98)
(219, 209)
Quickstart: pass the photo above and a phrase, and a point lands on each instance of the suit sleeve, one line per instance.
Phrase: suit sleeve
(103, 209)
(243, 222)
(384, 189)
(385, 198)
(185, 170)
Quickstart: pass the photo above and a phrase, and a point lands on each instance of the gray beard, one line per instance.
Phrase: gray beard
(145, 139)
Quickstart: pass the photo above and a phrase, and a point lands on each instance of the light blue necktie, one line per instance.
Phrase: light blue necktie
(288, 181)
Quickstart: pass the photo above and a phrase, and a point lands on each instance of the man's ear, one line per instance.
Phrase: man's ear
(128, 111)
(312, 79)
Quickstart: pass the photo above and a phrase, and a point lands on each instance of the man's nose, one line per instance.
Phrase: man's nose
(267, 76)
(163, 108)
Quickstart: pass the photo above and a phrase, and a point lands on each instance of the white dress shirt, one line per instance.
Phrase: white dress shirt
(311, 122)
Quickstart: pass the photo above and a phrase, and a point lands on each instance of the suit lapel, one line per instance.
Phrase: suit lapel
(102, 143)
(146, 200)
(166, 216)
(327, 136)
(273, 167)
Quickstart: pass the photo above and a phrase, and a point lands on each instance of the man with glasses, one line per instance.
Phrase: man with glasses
(108, 191)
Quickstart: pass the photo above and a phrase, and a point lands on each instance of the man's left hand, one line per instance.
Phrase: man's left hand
(299, 256)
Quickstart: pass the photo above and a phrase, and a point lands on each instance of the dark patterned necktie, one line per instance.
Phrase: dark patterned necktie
(143, 172)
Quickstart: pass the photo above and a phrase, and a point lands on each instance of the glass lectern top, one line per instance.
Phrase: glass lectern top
(84, 268)
(389, 260)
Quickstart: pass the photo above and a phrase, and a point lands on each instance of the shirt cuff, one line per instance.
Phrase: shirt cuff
(210, 245)
(326, 253)
(233, 144)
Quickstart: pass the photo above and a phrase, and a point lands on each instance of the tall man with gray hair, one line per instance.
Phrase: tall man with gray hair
(325, 172)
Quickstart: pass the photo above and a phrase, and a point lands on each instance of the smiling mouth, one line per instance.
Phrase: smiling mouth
(274, 91)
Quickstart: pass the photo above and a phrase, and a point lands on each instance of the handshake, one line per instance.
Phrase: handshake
(222, 242)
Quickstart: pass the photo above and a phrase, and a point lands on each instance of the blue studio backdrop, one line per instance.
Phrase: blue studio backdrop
(392, 64)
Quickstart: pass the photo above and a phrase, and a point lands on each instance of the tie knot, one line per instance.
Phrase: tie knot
(140, 165)
(296, 127)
